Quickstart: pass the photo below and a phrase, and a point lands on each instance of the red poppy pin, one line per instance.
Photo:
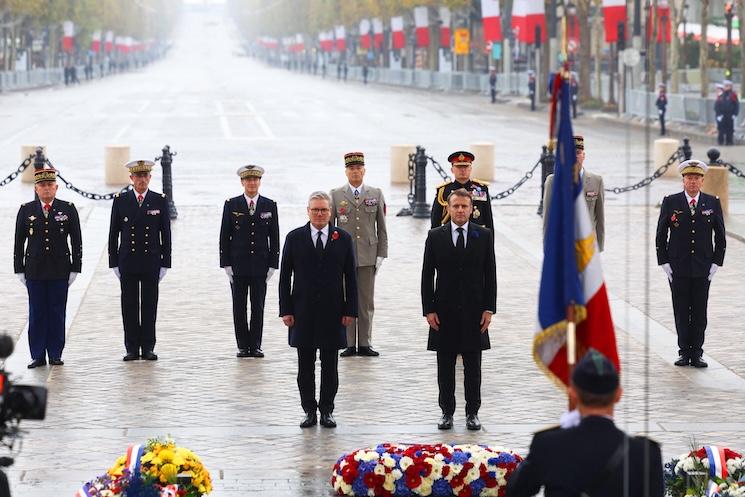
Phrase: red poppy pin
(674, 217)
(335, 235)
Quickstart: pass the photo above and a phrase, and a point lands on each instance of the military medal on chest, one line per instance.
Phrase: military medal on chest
(476, 213)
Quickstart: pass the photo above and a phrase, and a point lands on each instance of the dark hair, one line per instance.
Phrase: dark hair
(460, 192)
(595, 399)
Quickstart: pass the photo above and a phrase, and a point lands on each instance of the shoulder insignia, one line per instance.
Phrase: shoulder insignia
(480, 182)
(163, 195)
(717, 196)
(444, 184)
(116, 195)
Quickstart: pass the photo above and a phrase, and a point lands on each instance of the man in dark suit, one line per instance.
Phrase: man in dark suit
(140, 254)
(249, 252)
(595, 457)
(688, 221)
(317, 301)
(459, 305)
(47, 265)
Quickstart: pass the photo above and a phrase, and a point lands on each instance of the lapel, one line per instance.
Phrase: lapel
(471, 240)
(447, 236)
(350, 197)
(243, 204)
(37, 211)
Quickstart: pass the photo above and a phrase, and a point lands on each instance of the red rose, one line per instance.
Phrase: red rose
(445, 471)
(335, 235)
(465, 491)
(413, 481)
(369, 480)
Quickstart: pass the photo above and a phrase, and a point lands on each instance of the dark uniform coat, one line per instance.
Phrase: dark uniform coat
(482, 212)
(140, 236)
(318, 291)
(41, 249)
(567, 461)
(465, 287)
(249, 244)
(689, 248)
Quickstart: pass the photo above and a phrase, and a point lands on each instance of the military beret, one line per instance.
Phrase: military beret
(45, 175)
(140, 166)
(354, 159)
(693, 166)
(595, 374)
(250, 171)
(461, 158)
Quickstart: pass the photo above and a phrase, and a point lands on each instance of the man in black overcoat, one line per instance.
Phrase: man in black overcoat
(593, 458)
(139, 255)
(689, 222)
(459, 303)
(317, 301)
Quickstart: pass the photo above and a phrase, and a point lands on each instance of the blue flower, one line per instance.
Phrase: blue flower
(505, 458)
(477, 486)
(401, 488)
(380, 449)
(441, 488)
(474, 233)
(367, 466)
(359, 487)
(460, 457)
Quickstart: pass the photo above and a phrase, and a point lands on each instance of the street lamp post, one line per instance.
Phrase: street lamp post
(728, 15)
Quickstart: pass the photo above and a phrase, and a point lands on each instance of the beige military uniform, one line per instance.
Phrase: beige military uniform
(364, 219)
(595, 197)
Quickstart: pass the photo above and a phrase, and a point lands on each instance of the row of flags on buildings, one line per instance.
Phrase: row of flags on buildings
(103, 42)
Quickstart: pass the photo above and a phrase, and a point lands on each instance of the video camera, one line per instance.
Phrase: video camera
(17, 402)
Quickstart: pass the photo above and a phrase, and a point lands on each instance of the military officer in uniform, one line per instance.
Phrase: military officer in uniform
(140, 254)
(595, 457)
(360, 210)
(462, 166)
(688, 222)
(249, 253)
(47, 265)
(594, 194)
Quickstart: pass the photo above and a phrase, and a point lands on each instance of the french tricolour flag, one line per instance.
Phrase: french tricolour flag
(492, 20)
(421, 22)
(365, 41)
(378, 32)
(341, 42)
(526, 15)
(445, 27)
(614, 12)
(68, 33)
(572, 274)
(397, 32)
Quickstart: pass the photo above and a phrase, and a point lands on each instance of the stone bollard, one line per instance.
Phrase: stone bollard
(400, 162)
(663, 149)
(716, 181)
(483, 164)
(116, 156)
(26, 150)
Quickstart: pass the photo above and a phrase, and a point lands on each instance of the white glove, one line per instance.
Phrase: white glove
(71, 279)
(117, 273)
(719, 118)
(162, 274)
(378, 263)
(269, 273)
(712, 270)
(229, 272)
(668, 271)
(570, 419)
(22, 278)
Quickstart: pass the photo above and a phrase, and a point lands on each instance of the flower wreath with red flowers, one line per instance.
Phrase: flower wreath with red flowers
(706, 469)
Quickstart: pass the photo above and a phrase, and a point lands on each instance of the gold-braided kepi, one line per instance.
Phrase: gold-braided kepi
(45, 175)
(354, 159)
(140, 166)
(250, 171)
(692, 166)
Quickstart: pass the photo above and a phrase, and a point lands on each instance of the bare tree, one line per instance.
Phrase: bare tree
(704, 54)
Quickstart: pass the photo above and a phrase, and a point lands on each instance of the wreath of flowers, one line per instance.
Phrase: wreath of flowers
(692, 474)
(158, 469)
(423, 470)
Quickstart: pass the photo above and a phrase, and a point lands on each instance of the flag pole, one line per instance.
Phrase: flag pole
(571, 348)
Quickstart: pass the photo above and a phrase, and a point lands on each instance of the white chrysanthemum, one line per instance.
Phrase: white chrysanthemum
(379, 469)
(397, 474)
(705, 462)
(425, 488)
(388, 461)
(405, 462)
(439, 457)
(455, 469)
(472, 475)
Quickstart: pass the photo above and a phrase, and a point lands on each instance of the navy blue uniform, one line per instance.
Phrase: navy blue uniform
(482, 211)
(661, 104)
(727, 106)
(43, 254)
(249, 243)
(139, 245)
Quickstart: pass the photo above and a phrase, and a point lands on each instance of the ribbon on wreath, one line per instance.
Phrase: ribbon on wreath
(717, 468)
(134, 454)
(84, 491)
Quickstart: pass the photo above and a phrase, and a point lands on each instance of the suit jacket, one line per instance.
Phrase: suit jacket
(249, 244)
(482, 210)
(364, 220)
(41, 248)
(567, 461)
(685, 241)
(593, 188)
(465, 287)
(140, 236)
(318, 291)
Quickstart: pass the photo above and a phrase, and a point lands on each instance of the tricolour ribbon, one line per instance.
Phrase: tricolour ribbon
(717, 461)
(83, 491)
(134, 453)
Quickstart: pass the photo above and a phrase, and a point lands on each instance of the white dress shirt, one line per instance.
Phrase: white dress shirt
(689, 198)
(324, 234)
(358, 188)
(453, 230)
(249, 199)
(137, 194)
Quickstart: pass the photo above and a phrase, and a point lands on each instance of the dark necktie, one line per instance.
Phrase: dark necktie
(693, 206)
(356, 194)
(461, 243)
(319, 244)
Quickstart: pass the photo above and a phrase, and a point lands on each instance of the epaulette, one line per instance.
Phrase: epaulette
(717, 196)
(163, 195)
(116, 195)
(480, 182)
(227, 200)
(29, 203)
(444, 184)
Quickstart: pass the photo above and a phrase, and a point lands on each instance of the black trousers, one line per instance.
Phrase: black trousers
(306, 379)
(471, 380)
(139, 309)
(248, 336)
(662, 122)
(690, 298)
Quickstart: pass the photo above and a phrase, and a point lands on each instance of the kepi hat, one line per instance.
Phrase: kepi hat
(354, 159)
(250, 171)
(461, 159)
(140, 166)
(45, 175)
(693, 166)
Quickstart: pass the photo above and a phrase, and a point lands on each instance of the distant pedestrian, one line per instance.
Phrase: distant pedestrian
(346, 69)
(727, 106)
(574, 90)
(493, 83)
(661, 106)
(531, 89)
(364, 73)
(718, 117)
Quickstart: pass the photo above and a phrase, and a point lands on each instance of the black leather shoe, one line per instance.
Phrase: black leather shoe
(446, 422)
(698, 362)
(131, 356)
(348, 352)
(472, 422)
(368, 351)
(56, 362)
(683, 361)
(37, 363)
(243, 353)
(257, 353)
(150, 356)
(309, 420)
(327, 420)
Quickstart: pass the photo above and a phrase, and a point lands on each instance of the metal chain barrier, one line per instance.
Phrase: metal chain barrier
(729, 166)
(92, 196)
(513, 188)
(678, 154)
(18, 171)
(445, 176)
(412, 167)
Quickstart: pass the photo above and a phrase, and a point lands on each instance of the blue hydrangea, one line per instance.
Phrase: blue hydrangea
(367, 466)
(359, 487)
(477, 486)
(401, 489)
(505, 458)
(460, 457)
(380, 449)
(441, 488)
